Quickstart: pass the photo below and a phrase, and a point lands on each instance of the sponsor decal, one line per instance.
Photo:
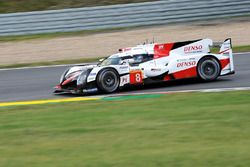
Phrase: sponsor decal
(92, 74)
(135, 69)
(161, 46)
(124, 49)
(185, 60)
(93, 90)
(124, 80)
(186, 64)
(193, 49)
(91, 78)
(155, 69)
(123, 67)
(162, 50)
(136, 77)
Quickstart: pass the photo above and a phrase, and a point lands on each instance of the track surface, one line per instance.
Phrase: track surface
(38, 83)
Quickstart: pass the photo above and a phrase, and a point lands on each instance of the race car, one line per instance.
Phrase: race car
(147, 63)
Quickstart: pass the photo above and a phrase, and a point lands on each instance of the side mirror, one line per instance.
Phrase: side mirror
(131, 61)
(100, 60)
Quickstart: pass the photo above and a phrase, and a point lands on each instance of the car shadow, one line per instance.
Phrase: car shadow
(152, 86)
(172, 84)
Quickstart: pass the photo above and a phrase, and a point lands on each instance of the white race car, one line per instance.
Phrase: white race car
(150, 62)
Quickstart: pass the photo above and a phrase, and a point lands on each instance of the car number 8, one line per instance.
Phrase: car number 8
(138, 77)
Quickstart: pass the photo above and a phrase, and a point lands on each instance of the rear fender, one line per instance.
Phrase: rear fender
(183, 63)
(227, 52)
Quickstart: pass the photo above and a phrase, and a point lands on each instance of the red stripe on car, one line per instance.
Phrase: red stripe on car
(224, 51)
(187, 73)
(224, 62)
(162, 50)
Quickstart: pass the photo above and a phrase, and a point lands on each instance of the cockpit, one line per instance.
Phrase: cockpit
(131, 59)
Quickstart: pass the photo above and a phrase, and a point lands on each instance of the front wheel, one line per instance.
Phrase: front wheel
(208, 69)
(108, 80)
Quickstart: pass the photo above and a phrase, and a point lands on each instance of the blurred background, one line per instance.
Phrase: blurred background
(207, 127)
(33, 31)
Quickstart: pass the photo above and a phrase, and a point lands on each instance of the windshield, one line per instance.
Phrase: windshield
(111, 61)
(116, 60)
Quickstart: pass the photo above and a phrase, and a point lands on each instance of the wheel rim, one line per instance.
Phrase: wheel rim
(209, 69)
(109, 81)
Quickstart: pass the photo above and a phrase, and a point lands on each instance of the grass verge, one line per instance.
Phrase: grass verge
(207, 129)
(35, 5)
(59, 34)
(245, 48)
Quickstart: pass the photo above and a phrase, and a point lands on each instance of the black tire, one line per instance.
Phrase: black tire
(108, 80)
(208, 69)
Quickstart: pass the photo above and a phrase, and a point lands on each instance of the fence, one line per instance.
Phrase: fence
(117, 16)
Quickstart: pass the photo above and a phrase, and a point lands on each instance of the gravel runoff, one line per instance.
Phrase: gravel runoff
(104, 44)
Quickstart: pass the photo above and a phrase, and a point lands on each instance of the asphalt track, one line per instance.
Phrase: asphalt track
(37, 83)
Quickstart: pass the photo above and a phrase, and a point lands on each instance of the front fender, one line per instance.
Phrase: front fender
(93, 74)
(120, 69)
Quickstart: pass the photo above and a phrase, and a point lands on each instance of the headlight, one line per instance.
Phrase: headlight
(82, 79)
(63, 76)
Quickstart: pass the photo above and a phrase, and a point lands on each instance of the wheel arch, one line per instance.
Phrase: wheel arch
(207, 56)
(107, 68)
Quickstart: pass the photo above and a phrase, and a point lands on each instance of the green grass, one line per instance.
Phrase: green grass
(36, 5)
(180, 130)
(245, 48)
(60, 34)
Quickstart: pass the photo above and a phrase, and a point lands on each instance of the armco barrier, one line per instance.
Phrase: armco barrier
(116, 16)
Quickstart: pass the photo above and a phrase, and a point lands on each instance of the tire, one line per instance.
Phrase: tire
(208, 69)
(108, 80)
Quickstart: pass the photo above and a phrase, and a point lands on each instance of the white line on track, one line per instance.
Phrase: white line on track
(38, 67)
(242, 53)
(185, 91)
(65, 65)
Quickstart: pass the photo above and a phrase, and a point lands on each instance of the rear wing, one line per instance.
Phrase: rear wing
(225, 49)
(224, 46)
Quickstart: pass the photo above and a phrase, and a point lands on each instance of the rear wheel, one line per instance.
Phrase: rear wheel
(208, 69)
(108, 80)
